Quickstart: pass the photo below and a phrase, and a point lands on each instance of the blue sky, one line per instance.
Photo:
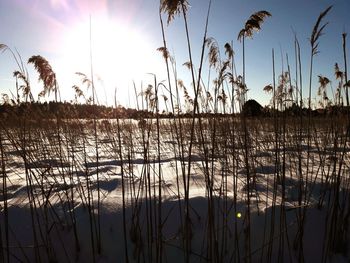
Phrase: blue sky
(127, 33)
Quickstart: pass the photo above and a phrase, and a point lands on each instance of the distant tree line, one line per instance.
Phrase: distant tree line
(88, 111)
(69, 110)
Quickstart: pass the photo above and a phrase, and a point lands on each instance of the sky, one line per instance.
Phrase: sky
(125, 36)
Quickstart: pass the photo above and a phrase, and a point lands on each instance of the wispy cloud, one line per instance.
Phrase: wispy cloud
(59, 4)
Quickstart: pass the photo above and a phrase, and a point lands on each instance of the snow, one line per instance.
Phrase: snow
(67, 180)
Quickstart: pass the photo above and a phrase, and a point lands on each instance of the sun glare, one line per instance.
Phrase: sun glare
(120, 53)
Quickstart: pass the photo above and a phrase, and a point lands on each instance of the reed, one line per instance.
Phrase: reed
(212, 185)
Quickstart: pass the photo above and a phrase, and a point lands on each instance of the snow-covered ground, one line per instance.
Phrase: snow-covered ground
(66, 198)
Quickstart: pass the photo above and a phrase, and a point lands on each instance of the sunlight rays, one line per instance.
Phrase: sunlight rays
(120, 53)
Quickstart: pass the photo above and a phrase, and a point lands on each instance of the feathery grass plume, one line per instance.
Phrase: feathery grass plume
(41, 94)
(16, 56)
(173, 7)
(229, 50)
(209, 97)
(84, 80)
(318, 31)
(339, 75)
(347, 84)
(223, 98)
(280, 94)
(323, 81)
(224, 66)
(290, 92)
(78, 93)
(21, 69)
(268, 88)
(229, 75)
(180, 83)
(165, 98)
(26, 86)
(3, 47)
(314, 42)
(337, 72)
(223, 74)
(5, 98)
(164, 52)
(230, 78)
(241, 90)
(89, 84)
(21, 76)
(187, 64)
(149, 96)
(214, 54)
(46, 74)
(253, 24)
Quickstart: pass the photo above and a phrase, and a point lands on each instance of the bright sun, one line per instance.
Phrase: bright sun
(120, 54)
